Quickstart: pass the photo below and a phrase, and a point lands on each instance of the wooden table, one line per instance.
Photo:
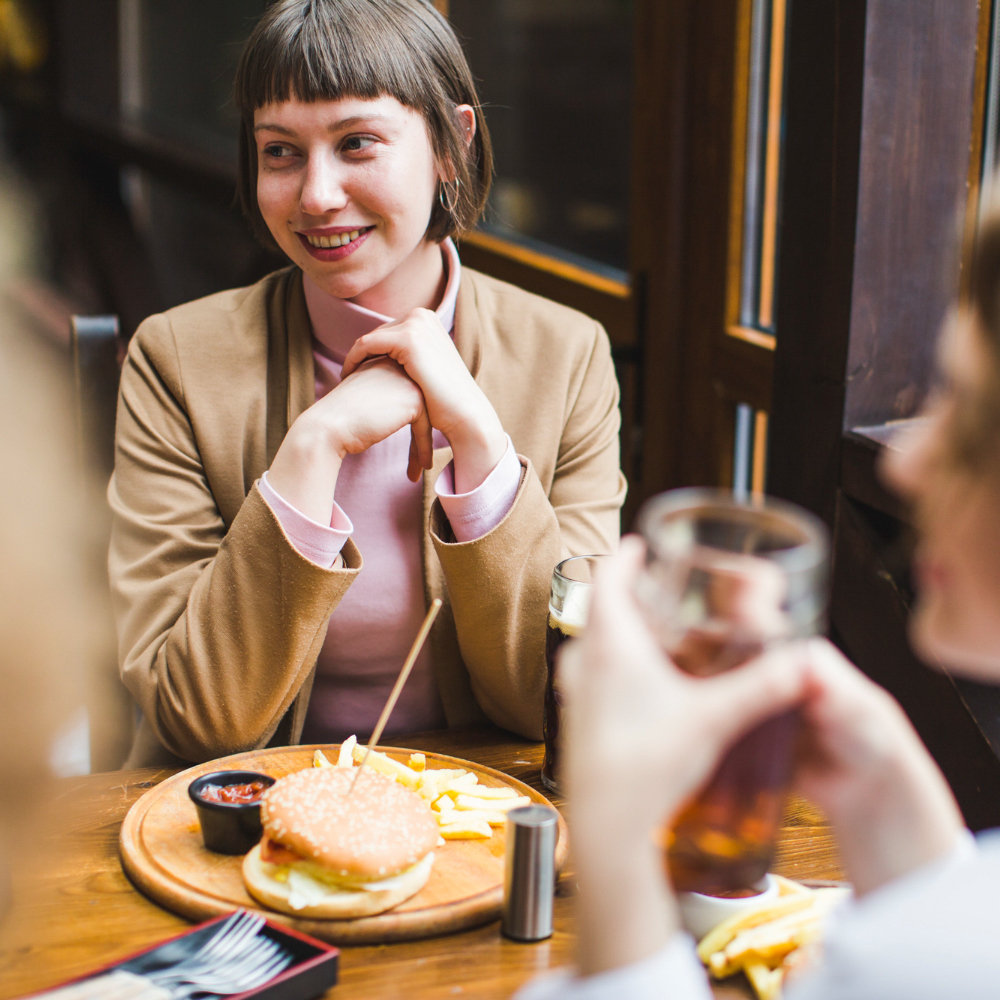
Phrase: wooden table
(76, 910)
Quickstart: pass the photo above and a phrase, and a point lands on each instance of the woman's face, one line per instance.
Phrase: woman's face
(346, 188)
(957, 515)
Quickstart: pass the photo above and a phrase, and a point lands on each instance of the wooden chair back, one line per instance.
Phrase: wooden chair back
(97, 350)
(97, 347)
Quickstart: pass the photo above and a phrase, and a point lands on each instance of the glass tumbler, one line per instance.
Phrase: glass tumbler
(724, 580)
(569, 600)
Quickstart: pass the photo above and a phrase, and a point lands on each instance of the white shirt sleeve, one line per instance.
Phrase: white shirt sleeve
(931, 935)
(673, 973)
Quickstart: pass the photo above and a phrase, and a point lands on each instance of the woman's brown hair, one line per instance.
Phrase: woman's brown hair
(314, 50)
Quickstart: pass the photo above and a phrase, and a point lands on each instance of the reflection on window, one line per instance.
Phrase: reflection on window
(749, 452)
(756, 170)
(178, 59)
(555, 79)
(991, 137)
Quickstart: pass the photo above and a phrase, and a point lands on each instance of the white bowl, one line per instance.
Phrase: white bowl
(700, 914)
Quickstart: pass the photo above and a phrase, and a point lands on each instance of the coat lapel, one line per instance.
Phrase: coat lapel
(291, 387)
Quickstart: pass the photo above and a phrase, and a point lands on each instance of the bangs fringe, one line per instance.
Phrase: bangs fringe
(344, 48)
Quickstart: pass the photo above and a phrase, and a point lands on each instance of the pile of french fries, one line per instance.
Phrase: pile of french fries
(464, 809)
(767, 943)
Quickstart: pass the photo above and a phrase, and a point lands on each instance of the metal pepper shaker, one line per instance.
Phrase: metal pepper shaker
(529, 873)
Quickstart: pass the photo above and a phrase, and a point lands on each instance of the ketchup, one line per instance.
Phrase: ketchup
(234, 794)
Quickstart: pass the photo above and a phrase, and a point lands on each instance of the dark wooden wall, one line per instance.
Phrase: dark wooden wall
(823, 86)
(917, 125)
(883, 119)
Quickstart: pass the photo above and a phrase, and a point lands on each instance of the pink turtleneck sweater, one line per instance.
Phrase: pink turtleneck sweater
(377, 619)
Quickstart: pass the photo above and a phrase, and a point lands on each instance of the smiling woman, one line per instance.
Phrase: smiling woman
(374, 397)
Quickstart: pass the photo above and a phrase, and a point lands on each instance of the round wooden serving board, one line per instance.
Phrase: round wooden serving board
(163, 854)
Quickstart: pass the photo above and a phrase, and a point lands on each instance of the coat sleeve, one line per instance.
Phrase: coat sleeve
(218, 629)
(499, 584)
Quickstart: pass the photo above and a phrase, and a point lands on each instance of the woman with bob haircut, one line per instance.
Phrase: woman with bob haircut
(642, 736)
(303, 465)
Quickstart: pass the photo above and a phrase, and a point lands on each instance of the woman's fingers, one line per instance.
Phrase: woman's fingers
(421, 446)
(394, 340)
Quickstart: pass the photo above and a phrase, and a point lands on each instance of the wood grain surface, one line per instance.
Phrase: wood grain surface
(163, 854)
(73, 908)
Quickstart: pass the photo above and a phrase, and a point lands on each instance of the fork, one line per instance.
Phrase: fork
(235, 959)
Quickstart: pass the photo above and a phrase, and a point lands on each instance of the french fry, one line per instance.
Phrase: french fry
(443, 804)
(475, 830)
(384, 764)
(345, 758)
(720, 936)
(451, 817)
(488, 792)
(766, 982)
(769, 943)
(430, 786)
(491, 816)
(502, 805)
(776, 942)
(462, 783)
(417, 761)
(320, 759)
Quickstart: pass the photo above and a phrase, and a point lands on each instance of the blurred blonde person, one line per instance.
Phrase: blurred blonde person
(642, 736)
(46, 630)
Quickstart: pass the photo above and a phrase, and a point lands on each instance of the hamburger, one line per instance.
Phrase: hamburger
(328, 854)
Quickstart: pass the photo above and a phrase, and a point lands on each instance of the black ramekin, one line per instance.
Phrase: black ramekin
(228, 827)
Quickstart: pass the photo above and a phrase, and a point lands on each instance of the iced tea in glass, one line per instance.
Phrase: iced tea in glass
(569, 599)
(724, 580)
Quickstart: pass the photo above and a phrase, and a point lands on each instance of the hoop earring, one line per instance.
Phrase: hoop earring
(451, 203)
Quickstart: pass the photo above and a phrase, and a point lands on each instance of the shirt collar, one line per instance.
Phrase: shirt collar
(338, 323)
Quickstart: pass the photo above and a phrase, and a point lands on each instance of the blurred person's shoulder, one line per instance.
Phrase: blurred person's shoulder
(523, 321)
(220, 328)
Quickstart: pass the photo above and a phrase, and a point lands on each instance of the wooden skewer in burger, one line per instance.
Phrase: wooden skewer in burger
(344, 842)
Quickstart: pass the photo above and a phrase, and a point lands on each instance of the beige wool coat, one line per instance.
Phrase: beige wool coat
(220, 619)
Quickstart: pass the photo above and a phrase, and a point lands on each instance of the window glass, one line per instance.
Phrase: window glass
(991, 138)
(555, 79)
(179, 58)
(759, 168)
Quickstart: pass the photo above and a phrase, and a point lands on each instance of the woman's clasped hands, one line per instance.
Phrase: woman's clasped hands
(372, 403)
(405, 373)
(456, 406)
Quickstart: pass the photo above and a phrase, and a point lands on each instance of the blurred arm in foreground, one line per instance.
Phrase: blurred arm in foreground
(49, 620)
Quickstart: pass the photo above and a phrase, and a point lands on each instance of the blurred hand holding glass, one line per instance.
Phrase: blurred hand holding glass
(725, 580)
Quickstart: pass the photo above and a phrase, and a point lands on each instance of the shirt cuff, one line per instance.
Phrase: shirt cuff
(316, 542)
(479, 511)
(673, 972)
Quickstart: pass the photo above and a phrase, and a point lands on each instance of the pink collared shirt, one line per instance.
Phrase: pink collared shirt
(376, 621)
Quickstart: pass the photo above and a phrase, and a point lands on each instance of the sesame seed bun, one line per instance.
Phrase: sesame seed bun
(347, 846)
(379, 830)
